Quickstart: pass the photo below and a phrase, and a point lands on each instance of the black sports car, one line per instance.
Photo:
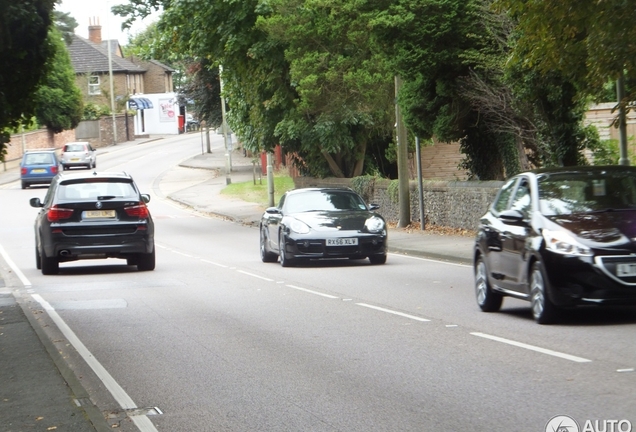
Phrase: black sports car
(89, 215)
(559, 237)
(316, 223)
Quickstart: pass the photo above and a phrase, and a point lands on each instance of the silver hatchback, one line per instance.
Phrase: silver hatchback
(78, 154)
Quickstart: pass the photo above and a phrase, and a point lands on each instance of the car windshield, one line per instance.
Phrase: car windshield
(97, 191)
(38, 159)
(324, 201)
(586, 192)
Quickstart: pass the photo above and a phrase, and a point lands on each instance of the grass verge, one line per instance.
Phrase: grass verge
(257, 193)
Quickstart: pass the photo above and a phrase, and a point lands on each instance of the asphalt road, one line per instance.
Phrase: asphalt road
(216, 340)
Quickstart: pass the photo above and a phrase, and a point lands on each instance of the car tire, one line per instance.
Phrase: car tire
(285, 261)
(24, 185)
(38, 259)
(377, 259)
(94, 164)
(543, 310)
(487, 299)
(266, 255)
(146, 261)
(49, 266)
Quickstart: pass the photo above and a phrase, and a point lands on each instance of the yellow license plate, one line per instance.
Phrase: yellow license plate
(95, 214)
(38, 171)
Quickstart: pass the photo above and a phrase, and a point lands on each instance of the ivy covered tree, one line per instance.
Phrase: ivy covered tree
(58, 100)
(24, 52)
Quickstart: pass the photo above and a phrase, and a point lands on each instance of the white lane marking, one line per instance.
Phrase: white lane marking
(14, 267)
(213, 263)
(143, 423)
(413, 317)
(113, 387)
(183, 254)
(625, 370)
(533, 348)
(312, 292)
(431, 260)
(256, 276)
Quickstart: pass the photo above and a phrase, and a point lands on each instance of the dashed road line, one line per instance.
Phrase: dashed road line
(533, 348)
(413, 317)
(256, 276)
(312, 292)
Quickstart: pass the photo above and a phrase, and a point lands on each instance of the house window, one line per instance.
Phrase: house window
(93, 85)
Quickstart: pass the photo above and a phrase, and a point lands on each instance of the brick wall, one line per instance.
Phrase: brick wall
(40, 139)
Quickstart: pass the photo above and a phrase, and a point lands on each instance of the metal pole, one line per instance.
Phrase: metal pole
(270, 180)
(112, 90)
(228, 163)
(420, 186)
(622, 124)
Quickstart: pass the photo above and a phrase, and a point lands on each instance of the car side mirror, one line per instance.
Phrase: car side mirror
(512, 217)
(272, 210)
(374, 206)
(35, 202)
(145, 198)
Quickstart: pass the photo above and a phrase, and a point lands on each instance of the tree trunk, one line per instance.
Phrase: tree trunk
(359, 166)
(51, 135)
(333, 166)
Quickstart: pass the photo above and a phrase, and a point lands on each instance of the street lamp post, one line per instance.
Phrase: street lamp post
(228, 161)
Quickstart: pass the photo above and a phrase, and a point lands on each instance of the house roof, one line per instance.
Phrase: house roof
(89, 57)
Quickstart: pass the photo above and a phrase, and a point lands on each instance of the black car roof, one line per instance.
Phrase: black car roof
(84, 175)
(585, 168)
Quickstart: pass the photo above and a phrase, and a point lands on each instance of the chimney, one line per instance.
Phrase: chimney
(94, 30)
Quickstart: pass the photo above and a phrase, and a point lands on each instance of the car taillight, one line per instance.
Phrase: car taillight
(56, 213)
(141, 211)
(23, 171)
(53, 170)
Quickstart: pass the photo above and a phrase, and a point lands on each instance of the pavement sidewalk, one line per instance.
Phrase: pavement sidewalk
(37, 389)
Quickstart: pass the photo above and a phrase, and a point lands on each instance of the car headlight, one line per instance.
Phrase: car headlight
(374, 224)
(299, 227)
(563, 243)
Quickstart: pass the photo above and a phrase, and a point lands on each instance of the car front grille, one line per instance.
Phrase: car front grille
(610, 264)
(317, 247)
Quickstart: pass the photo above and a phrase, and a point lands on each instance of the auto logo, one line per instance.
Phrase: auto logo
(98, 204)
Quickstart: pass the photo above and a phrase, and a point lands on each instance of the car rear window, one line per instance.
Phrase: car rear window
(97, 190)
(74, 148)
(39, 159)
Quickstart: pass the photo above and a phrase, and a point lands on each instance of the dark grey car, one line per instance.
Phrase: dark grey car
(90, 215)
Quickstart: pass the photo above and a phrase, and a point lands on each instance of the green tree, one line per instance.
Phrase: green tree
(24, 52)
(345, 87)
(588, 41)
(58, 100)
(65, 24)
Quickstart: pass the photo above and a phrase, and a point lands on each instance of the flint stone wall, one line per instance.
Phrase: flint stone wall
(453, 204)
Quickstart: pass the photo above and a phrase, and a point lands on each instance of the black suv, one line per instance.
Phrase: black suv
(92, 216)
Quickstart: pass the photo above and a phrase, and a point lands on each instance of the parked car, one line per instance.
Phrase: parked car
(90, 215)
(315, 223)
(559, 238)
(192, 124)
(78, 154)
(38, 167)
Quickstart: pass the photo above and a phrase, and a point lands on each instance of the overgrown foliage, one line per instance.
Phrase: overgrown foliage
(317, 76)
(58, 101)
(24, 52)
